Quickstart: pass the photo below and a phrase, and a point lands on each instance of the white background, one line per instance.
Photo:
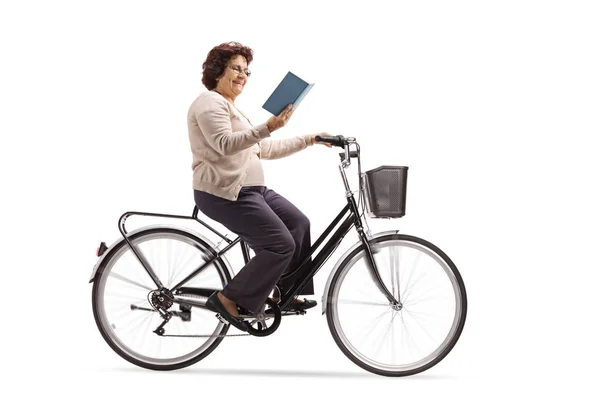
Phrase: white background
(493, 106)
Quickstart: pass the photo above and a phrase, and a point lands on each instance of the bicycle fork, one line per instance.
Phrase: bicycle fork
(372, 267)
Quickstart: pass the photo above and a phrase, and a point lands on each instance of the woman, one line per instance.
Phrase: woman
(229, 185)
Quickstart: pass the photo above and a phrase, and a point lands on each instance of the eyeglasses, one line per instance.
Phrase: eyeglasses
(239, 70)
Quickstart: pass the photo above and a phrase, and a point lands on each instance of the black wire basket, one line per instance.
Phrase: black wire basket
(384, 189)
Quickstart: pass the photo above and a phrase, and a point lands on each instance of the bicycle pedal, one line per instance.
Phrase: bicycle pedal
(220, 318)
(293, 312)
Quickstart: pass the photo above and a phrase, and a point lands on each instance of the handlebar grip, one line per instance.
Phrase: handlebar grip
(337, 140)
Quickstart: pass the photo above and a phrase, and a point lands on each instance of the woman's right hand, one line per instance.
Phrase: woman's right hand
(279, 121)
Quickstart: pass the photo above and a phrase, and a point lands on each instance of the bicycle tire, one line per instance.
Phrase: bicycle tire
(221, 268)
(331, 308)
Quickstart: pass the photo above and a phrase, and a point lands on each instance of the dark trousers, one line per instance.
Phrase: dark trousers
(274, 228)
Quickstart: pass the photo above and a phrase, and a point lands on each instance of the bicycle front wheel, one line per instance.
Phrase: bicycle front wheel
(123, 296)
(404, 339)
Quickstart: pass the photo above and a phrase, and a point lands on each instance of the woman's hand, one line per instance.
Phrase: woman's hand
(279, 121)
(312, 138)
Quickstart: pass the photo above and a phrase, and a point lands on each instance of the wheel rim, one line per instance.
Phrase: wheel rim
(366, 323)
(124, 282)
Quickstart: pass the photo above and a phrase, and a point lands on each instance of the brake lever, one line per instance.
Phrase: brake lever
(353, 154)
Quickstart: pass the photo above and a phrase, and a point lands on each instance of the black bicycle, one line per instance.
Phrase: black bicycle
(395, 304)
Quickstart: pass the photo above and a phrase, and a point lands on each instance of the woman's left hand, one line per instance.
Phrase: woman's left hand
(312, 138)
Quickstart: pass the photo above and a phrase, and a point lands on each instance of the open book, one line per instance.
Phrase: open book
(291, 90)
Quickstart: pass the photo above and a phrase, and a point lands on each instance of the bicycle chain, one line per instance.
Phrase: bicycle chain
(208, 336)
(215, 336)
(205, 336)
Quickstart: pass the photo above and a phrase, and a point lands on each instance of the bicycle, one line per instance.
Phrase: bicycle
(125, 296)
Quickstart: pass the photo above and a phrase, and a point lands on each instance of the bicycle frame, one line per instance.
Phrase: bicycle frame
(309, 266)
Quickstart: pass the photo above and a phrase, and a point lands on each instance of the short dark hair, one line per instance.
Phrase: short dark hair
(217, 59)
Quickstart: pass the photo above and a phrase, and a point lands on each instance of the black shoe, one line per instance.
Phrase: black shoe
(299, 305)
(214, 304)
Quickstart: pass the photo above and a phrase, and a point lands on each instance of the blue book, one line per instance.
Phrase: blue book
(291, 90)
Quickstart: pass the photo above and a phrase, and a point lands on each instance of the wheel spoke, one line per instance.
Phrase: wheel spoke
(122, 278)
(178, 272)
(131, 323)
(393, 266)
(126, 298)
(409, 289)
(395, 271)
(408, 280)
(416, 319)
(377, 319)
(429, 296)
(393, 339)
(359, 302)
(180, 255)
(169, 254)
(409, 337)
(421, 314)
(384, 333)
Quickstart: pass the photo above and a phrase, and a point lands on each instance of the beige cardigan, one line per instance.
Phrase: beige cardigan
(221, 140)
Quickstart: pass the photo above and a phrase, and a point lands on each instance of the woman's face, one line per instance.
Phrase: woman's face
(234, 78)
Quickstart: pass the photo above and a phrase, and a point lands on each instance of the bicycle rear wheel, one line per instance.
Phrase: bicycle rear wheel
(123, 292)
(397, 340)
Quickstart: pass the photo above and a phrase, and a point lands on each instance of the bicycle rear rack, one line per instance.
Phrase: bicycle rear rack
(141, 258)
(194, 216)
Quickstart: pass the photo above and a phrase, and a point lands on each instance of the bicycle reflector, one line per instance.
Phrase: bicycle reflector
(101, 249)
